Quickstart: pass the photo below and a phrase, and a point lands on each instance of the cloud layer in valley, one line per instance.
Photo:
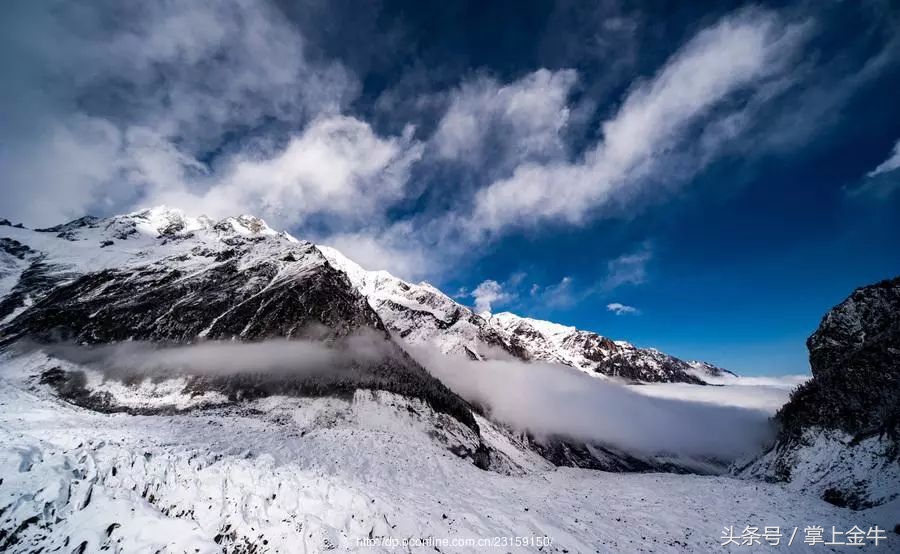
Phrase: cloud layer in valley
(550, 400)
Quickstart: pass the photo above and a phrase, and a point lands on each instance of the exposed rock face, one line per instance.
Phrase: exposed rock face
(855, 360)
(234, 298)
(840, 432)
(592, 353)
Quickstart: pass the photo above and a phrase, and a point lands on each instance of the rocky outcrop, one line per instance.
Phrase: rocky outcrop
(855, 361)
(840, 431)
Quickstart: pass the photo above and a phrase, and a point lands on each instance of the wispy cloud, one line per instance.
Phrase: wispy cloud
(648, 136)
(393, 249)
(888, 165)
(494, 127)
(621, 309)
(627, 269)
(148, 90)
(337, 167)
(882, 181)
(232, 107)
(562, 294)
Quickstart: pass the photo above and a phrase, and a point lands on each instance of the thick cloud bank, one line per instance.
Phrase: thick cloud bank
(550, 400)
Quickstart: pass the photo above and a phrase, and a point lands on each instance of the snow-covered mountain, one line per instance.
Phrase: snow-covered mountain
(159, 276)
(420, 314)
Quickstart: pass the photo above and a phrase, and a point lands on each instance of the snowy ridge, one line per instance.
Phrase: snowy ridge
(420, 314)
(90, 244)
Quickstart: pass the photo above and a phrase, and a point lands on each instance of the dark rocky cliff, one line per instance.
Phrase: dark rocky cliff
(840, 431)
(855, 360)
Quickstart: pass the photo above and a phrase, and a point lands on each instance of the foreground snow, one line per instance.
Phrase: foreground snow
(307, 475)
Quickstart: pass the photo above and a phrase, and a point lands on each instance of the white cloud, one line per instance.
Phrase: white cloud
(559, 295)
(203, 68)
(648, 139)
(621, 309)
(487, 294)
(888, 165)
(66, 175)
(391, 249)
(882, 181)
(494, 127)
(627, 269)
(766, 394)
(145, 93)
(338, 166)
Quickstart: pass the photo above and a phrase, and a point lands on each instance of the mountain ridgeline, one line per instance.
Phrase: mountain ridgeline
(159, 275)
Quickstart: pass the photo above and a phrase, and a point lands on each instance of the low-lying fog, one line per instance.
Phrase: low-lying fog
(136, 358)
(539, 398)
(547, 399)
(758, 393)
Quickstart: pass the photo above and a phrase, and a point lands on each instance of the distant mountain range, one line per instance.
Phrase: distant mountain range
(420, 314)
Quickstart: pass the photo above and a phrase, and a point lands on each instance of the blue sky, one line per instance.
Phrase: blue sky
(705, 178)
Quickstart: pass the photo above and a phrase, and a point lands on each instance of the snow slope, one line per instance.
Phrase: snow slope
(313, 475)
